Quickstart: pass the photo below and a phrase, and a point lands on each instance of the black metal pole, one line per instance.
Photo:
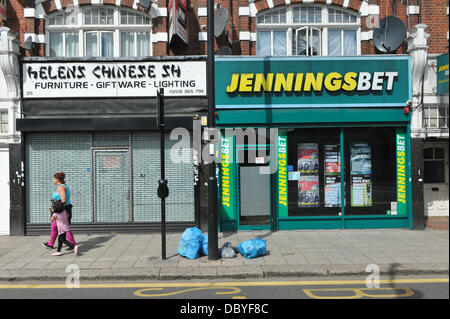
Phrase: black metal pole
(162, 193)
(213, 250)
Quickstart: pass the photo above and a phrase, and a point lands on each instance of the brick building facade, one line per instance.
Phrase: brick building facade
(426, 22)
(27, 17)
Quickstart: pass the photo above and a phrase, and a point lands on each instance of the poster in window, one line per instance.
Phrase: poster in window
(308, 178)
(361, 175)
(332, 176)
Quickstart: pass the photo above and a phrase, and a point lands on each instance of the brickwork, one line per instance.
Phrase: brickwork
(433, 14)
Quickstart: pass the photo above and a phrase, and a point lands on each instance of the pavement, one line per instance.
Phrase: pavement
(440, 223)
(299, 253)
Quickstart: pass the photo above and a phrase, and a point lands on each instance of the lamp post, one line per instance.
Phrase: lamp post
(213, 250)
(163, 190)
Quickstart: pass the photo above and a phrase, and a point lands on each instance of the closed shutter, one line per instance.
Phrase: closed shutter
(147, 172)
(47, 154)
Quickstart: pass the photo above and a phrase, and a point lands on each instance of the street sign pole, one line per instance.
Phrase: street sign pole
(163, 190)
(212, 180)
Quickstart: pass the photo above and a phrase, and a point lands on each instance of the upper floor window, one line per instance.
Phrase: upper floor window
(3, 122)
(308, 30)
(435, 117)
(99, 32)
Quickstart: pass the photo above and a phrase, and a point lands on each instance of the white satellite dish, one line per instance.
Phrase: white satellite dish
(220, 21)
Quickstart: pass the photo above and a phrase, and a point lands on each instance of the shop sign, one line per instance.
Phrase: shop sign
(111, 162)
(401, 165)
(177, 19)
(3, 9)
(442, 74)
(282, 175)
(227, 178)
(292, 82)
(113, 79)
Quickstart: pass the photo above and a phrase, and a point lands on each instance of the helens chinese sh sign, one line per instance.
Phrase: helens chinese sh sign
(113, 79)
(293, 82)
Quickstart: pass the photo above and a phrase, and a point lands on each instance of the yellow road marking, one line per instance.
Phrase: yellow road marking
(228, 284)
(239, 297)
(141, 293)
(359, 293)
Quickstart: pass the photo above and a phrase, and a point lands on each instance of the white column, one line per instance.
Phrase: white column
(9, 66)
(417, 48)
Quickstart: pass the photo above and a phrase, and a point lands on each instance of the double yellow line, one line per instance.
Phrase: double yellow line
(226, 284)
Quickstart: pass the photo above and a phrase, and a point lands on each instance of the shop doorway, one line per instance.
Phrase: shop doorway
(435, 162)
(112, 191)
(255, 203)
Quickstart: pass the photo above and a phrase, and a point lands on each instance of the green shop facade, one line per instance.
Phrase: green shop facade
(341, 152)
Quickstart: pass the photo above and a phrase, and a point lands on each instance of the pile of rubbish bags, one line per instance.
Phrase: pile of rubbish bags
(193, 244)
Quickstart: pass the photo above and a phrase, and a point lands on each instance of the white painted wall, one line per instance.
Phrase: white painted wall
(4, 191)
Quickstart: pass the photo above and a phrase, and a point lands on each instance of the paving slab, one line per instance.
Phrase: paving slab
(288, 252)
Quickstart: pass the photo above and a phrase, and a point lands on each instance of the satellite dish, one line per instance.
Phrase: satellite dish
(220, 20)
(28, 43)
(390, 34)
(146, 3)
(224, 51)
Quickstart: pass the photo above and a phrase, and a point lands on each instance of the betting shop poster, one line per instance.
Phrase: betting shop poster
(361, 174)
(332, 176)
(308, 168)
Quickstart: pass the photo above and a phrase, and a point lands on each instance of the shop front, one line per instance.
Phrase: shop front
(331, 148)
(95, 120)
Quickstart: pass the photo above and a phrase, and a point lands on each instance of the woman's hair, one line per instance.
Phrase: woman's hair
(60, 177)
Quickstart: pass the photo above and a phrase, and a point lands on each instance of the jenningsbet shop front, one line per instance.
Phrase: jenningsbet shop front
(342, 148)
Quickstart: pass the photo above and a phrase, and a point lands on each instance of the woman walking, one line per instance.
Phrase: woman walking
(62, 193)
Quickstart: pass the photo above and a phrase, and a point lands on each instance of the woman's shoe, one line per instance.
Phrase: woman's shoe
(47, 246)
(56, 254)
(75, 250)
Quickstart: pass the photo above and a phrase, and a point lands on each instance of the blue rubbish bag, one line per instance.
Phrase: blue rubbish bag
(190, 243)
(252, 248)
(205, 244)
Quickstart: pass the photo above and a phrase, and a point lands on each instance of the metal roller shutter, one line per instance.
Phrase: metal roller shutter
(47, 154)
(146, 173)
(114, 171)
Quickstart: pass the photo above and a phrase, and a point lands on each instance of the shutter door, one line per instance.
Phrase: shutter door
(47, 154)
(147, 172)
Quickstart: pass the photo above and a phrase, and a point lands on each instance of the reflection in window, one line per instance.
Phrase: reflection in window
(271, 43)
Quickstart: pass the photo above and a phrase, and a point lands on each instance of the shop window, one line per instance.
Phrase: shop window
(3, 122)
(434, 165)
(371, 174)
(98, 32)
(314, 171)
(309, 30)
